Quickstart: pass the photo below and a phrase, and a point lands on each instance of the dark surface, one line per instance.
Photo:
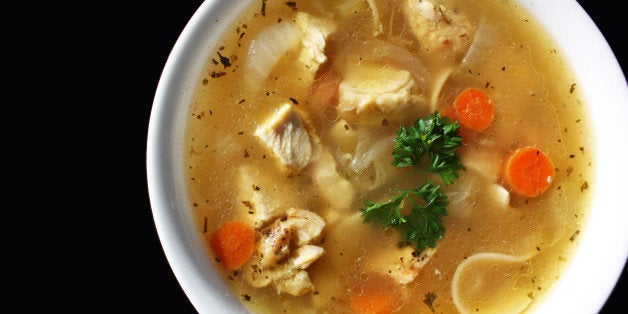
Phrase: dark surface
(153, 287)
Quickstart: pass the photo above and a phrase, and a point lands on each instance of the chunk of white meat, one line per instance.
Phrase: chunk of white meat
(441, 32)
(297, 284)
(401, 264)
(286, 278)
(297, 228)
(285, 134)
(274, 244)
(294, 230)
(307, 225)
(284, 253)
(300, 283)
(306, 255)
(315, 32)
(335, 189)
(260, 197)
(371, 92)
(289, 277)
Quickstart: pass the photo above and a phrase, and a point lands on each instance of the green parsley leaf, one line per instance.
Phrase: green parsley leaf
(423, 225)
(434, 138)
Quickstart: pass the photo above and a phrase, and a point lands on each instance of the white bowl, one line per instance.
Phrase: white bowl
(603, 251)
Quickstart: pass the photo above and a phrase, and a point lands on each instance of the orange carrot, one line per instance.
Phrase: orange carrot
(373, 300)
(529, 172)
(449, 112)
(464, 132)
(474, 109)
(233, 244)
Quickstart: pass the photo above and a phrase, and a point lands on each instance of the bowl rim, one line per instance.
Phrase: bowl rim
(601, 83)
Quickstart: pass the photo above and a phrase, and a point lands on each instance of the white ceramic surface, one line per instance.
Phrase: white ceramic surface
(600, 258)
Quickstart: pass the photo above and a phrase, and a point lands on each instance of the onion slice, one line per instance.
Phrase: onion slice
(268, 47)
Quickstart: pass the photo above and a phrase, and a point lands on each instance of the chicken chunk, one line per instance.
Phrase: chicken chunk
(297, 228)
(289, 276)
(297, 284)
(441, 32)
(402, 265)
(371, 92)
(274, 244)
(284, 252)
(315, 33)
(306, 255)
(306, 225)
(285, 134)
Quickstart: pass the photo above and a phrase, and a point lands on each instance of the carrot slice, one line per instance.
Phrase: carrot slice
(233, 244)
(449, 112)
(529, 172)
(474, 108)
(464, 132)
(373, 300)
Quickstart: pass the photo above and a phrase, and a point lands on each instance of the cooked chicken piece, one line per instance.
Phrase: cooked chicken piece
(284, 252)
(260, 199)
(306, 255)
(291, 277)
(371, 92)
(274, 244)
(293, 230)
(288, 277)
(276, 240)
(285, 134)
(402, 265)
(306, 225)
(441, 32)
(297, 284)
(315, 33)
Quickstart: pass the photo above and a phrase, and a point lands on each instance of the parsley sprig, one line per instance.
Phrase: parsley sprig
(436, 139)
(422, 226)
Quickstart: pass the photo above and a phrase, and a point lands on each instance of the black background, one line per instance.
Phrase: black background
(152, 286)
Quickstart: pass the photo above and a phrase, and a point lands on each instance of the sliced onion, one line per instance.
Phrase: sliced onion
(377, 23)
(268, 47)
(367, 152)
(483, 41)
(400, 58)
(348, 7)
(459, 195)
(439, 81)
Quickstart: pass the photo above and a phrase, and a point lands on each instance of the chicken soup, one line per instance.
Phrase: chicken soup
(351, 156)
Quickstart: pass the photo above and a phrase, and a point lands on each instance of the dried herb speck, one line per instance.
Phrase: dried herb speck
(224, 60)
(263, 10)
(292, 5)
(429, 300)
